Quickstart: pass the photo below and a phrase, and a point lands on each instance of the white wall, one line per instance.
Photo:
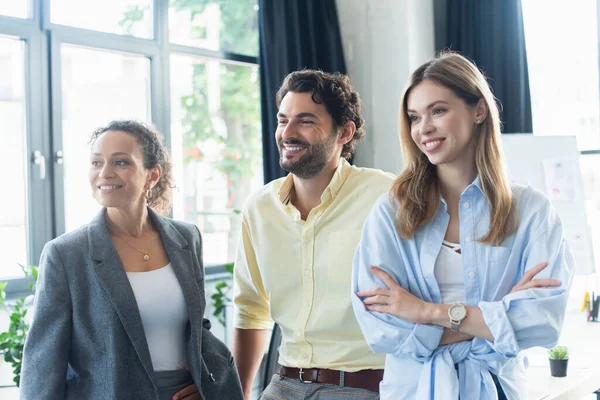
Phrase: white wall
(384, 41)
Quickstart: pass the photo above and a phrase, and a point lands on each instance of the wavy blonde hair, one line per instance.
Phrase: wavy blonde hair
(417, 188)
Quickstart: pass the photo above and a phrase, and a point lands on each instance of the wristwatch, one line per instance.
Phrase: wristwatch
(457, 312)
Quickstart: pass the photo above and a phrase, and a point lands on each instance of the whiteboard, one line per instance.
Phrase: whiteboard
(527, 157)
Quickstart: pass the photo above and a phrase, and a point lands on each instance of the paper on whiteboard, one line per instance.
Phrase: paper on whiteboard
(560, 177)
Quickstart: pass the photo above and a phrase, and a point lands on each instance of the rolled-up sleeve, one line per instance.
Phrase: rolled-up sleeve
(385, 333)
(534, 317)
(251, 302)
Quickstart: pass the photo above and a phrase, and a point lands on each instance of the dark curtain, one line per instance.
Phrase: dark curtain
(294, 34)
(490, 32)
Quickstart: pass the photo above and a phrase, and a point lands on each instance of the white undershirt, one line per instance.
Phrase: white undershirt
(164, 315)
(448, 271)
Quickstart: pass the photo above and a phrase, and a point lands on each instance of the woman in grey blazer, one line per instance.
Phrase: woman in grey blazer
(120, 302)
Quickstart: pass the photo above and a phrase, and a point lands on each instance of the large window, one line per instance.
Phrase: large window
(67, 67)
(125, 17)
(565, 89)
(15, 8)
(230, 26)
(120, 84)
(13, 217)
(216, 147)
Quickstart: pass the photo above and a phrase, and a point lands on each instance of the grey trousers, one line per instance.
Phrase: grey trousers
(170, 382)
(293, 389)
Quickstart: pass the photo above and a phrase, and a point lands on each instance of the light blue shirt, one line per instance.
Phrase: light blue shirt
(417, 367)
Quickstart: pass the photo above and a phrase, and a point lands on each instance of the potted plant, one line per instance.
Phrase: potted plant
(221, 299)
(559, 359)
(12, 341)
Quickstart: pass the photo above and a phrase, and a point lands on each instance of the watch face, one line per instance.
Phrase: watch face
(458, 313)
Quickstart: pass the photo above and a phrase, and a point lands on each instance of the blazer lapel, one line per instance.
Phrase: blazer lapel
(184, 266)
(112, 276)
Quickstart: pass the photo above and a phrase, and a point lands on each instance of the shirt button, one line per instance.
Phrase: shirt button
(468, 239)
(307, 240)
(306, 272)
(466, 205)
(471, 274)
(304, 355)
(299, 333)
(307, 304)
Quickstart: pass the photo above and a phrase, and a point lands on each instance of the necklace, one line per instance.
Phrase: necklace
(145, 256)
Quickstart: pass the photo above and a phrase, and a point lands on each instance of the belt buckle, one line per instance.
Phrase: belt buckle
(301, 376)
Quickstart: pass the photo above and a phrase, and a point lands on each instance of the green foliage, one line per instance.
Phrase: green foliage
(559, 353)
(132, 15)
(12, 341)
(234, 125)
(221, 297)
(239, 23)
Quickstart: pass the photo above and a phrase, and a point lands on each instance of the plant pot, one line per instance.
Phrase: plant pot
(558, 368)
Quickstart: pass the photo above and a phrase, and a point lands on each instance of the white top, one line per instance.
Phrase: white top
(164, 315)
(448, 271)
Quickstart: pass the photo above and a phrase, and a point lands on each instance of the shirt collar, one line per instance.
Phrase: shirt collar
(475, 185)
(472, 189)
(339, 177)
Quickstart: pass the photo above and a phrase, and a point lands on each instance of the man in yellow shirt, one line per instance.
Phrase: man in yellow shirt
(298, 239)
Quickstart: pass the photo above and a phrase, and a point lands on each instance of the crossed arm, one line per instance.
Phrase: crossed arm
(395, 300)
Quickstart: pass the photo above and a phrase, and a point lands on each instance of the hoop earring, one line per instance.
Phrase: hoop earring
(148, 194)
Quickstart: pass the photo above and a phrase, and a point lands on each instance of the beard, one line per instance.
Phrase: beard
(312, 162)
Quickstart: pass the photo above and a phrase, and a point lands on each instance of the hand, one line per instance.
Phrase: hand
(527, 281)
(188, 393)
(393, 300)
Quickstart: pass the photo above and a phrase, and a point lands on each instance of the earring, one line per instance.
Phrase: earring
(478, 121)
(148, 194)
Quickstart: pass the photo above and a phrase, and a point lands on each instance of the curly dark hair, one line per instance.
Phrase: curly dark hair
(335, 92)
(154, 153)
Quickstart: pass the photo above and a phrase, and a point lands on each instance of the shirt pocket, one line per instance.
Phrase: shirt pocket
(499, 257)
(340, 254)
(498, 268)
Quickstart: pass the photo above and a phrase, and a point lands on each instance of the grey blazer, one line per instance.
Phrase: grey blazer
(87, 340)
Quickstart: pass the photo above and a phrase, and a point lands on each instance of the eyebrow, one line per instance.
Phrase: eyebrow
(430, 106)
(120, 153)
(299, 115)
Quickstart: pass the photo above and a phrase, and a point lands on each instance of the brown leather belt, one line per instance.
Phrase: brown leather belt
(366, 379)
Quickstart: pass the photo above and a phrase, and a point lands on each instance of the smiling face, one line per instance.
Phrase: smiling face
(117, 175)
(442, 125)
(306, 138)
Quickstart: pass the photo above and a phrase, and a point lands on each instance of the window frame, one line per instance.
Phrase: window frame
(46, 216)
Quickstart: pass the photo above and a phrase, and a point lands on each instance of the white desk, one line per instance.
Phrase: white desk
(583, 373)
(579, 383)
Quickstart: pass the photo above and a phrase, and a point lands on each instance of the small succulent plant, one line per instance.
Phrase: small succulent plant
(559, 353)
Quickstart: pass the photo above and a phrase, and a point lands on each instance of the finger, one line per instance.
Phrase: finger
(528, 276)
(186, 391)
(376, 300)
(385, 277)
(373, 292)
(377, 308)
(536, 283)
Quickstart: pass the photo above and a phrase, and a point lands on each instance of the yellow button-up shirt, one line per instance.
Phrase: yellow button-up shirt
(297, 273)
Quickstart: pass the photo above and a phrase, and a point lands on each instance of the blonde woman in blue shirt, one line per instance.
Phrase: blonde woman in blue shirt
(444, 274)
